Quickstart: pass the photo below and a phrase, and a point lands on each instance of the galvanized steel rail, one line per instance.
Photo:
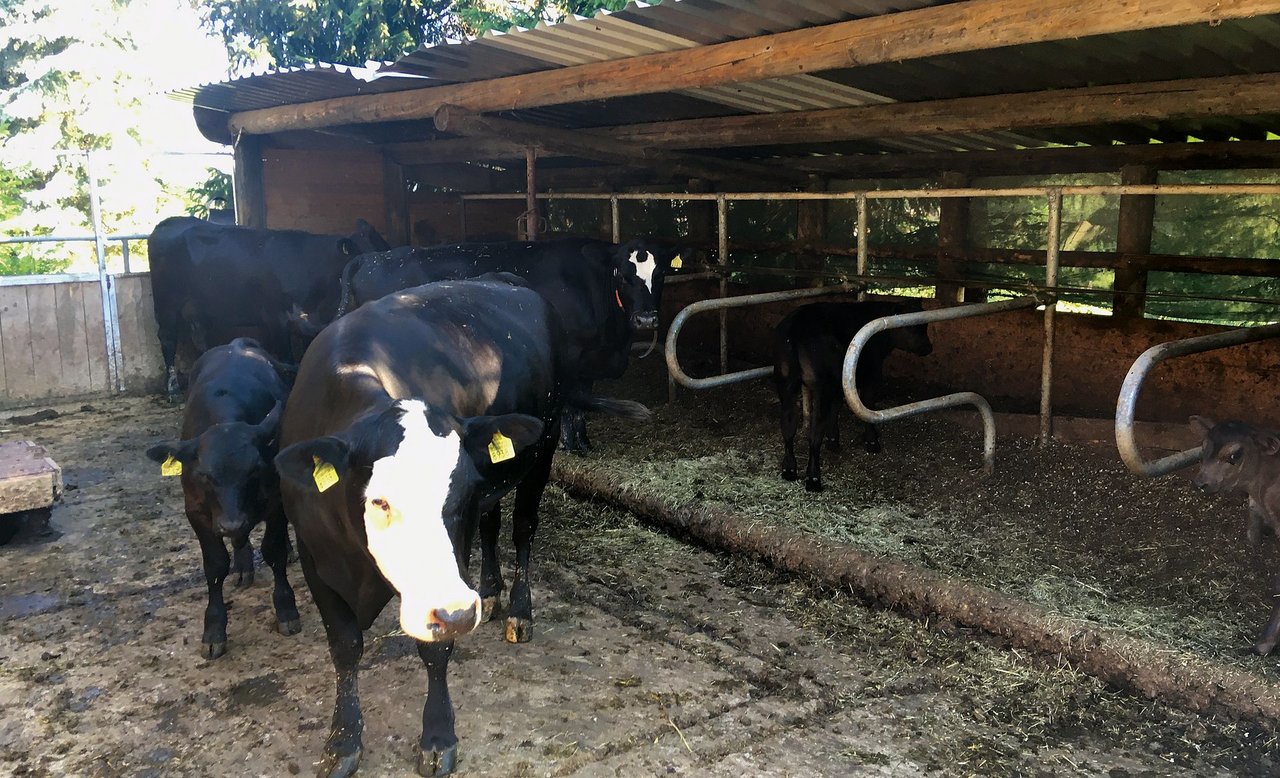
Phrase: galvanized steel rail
(937, 403)
(723, 304)
(1127, 405)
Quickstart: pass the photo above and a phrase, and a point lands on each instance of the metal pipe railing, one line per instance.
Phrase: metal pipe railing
(673, 334)
(937, 403)
(1127, 405)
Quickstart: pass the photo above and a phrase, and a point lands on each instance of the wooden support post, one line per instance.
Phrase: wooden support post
(247, 181)
(395, 203)
(953, 236)
(811, 231)
(1133, 239)
(531, 216)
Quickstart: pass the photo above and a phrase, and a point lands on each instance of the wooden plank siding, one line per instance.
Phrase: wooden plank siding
(323, 191)
(53, 346)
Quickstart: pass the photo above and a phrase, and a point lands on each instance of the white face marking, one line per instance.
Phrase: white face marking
(404, 522)
(644, 269)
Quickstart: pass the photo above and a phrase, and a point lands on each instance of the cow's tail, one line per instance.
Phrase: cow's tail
(626, 409)
(348, 273)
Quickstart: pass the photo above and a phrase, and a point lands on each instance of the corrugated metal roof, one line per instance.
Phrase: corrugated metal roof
(1243, 46)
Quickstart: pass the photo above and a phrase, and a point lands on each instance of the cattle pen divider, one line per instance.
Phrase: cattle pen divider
(1126, 406)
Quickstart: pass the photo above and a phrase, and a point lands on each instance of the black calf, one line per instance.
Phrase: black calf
(809, 350)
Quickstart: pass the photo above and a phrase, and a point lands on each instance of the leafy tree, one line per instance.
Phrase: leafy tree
(270, 33)
(216, 187)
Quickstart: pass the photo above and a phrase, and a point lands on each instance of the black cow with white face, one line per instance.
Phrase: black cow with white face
(410, 418)
(809, 350)
(229, 430)
(1240, 457)
(604, 294)
(215, 282)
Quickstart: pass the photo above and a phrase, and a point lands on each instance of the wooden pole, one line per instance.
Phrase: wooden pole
(974, 25)
(953, 236)
(531, 212)
(1133, 237)
(249, 188)
(395, 203)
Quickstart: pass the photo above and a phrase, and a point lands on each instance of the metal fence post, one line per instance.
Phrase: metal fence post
(110, 311)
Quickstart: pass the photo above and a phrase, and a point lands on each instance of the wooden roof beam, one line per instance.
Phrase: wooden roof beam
(1234, 96)
(946, 29)
(460, 121)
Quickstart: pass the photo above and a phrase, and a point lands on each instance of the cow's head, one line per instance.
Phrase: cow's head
(363, 241)
(915, 339)
(649, 264)
(417, 476)
(1231, 453)
(229, 466)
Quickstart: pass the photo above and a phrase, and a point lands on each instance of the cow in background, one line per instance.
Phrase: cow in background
(409, 420)
(214, 282)
(604, 294)
(1235, 456)
(229, 429)
(809, 350)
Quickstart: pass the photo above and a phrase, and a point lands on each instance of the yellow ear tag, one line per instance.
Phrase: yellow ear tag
(171, 466)
(676, 263)
(500, 448)
(323, 474)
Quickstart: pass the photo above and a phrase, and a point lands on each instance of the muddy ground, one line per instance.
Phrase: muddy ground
(650, 657)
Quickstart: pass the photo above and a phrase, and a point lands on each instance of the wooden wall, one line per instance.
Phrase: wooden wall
(53, 343)
(323, 191)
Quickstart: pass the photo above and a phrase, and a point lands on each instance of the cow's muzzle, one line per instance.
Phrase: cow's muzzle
(231, 526)
(644, 321)
(444, 622)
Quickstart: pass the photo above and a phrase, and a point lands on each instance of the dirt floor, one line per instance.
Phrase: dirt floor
(650, 657)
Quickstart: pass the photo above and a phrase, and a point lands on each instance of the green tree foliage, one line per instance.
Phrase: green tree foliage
(271, 33)
(216, 187)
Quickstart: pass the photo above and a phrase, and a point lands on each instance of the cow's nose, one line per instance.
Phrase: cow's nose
(454, 620)
(230, 526)
(645, 320)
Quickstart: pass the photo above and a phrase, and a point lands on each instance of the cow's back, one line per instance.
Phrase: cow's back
(236, 382)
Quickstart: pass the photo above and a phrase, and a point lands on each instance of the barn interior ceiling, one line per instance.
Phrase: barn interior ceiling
(1217, 79)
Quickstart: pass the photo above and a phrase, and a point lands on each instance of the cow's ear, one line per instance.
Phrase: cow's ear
(494, 439)
(315, 464)
(265, 431)
(1201, 424)
(348, 247)
(173, 455)
(1268, 441)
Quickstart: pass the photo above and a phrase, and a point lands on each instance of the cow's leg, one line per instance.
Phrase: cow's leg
(821, 408)
(788, 394)
(524, 521)
(870, 433)
(491, 583)
(213, 643)
(343, 747)
(275, 552)
(833, 432)
(1271, 632)
(573, 431)
(438, 746)
(243, 560)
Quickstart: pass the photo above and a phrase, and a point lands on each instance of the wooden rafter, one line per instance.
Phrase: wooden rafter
(947, 29)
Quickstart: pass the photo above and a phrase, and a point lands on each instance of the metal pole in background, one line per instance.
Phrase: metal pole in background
(110, 311)
(1050, 310)
(722, 234)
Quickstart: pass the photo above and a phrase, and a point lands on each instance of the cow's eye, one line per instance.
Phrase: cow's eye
(380, 503)
(1234, 457)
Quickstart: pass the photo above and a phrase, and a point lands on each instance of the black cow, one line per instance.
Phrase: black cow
(1236, 456)
(409, 419)
(214, 282)
(603, 293)
(229, 430)
(809, 349)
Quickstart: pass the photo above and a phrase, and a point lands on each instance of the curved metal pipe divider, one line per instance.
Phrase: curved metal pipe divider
(722, 304)
(1128, 402)
(936, 403)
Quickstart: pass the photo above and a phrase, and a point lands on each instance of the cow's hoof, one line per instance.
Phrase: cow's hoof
(213, 650)
(244, 579)
(812, 485)
(872, 447)
(519, 630)
(1264, 647)
(431, 763)
(289, 626)
(338, 765)
(789, 475)
(487, 606)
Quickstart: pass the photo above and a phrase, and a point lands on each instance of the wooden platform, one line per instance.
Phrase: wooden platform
(28, 478)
